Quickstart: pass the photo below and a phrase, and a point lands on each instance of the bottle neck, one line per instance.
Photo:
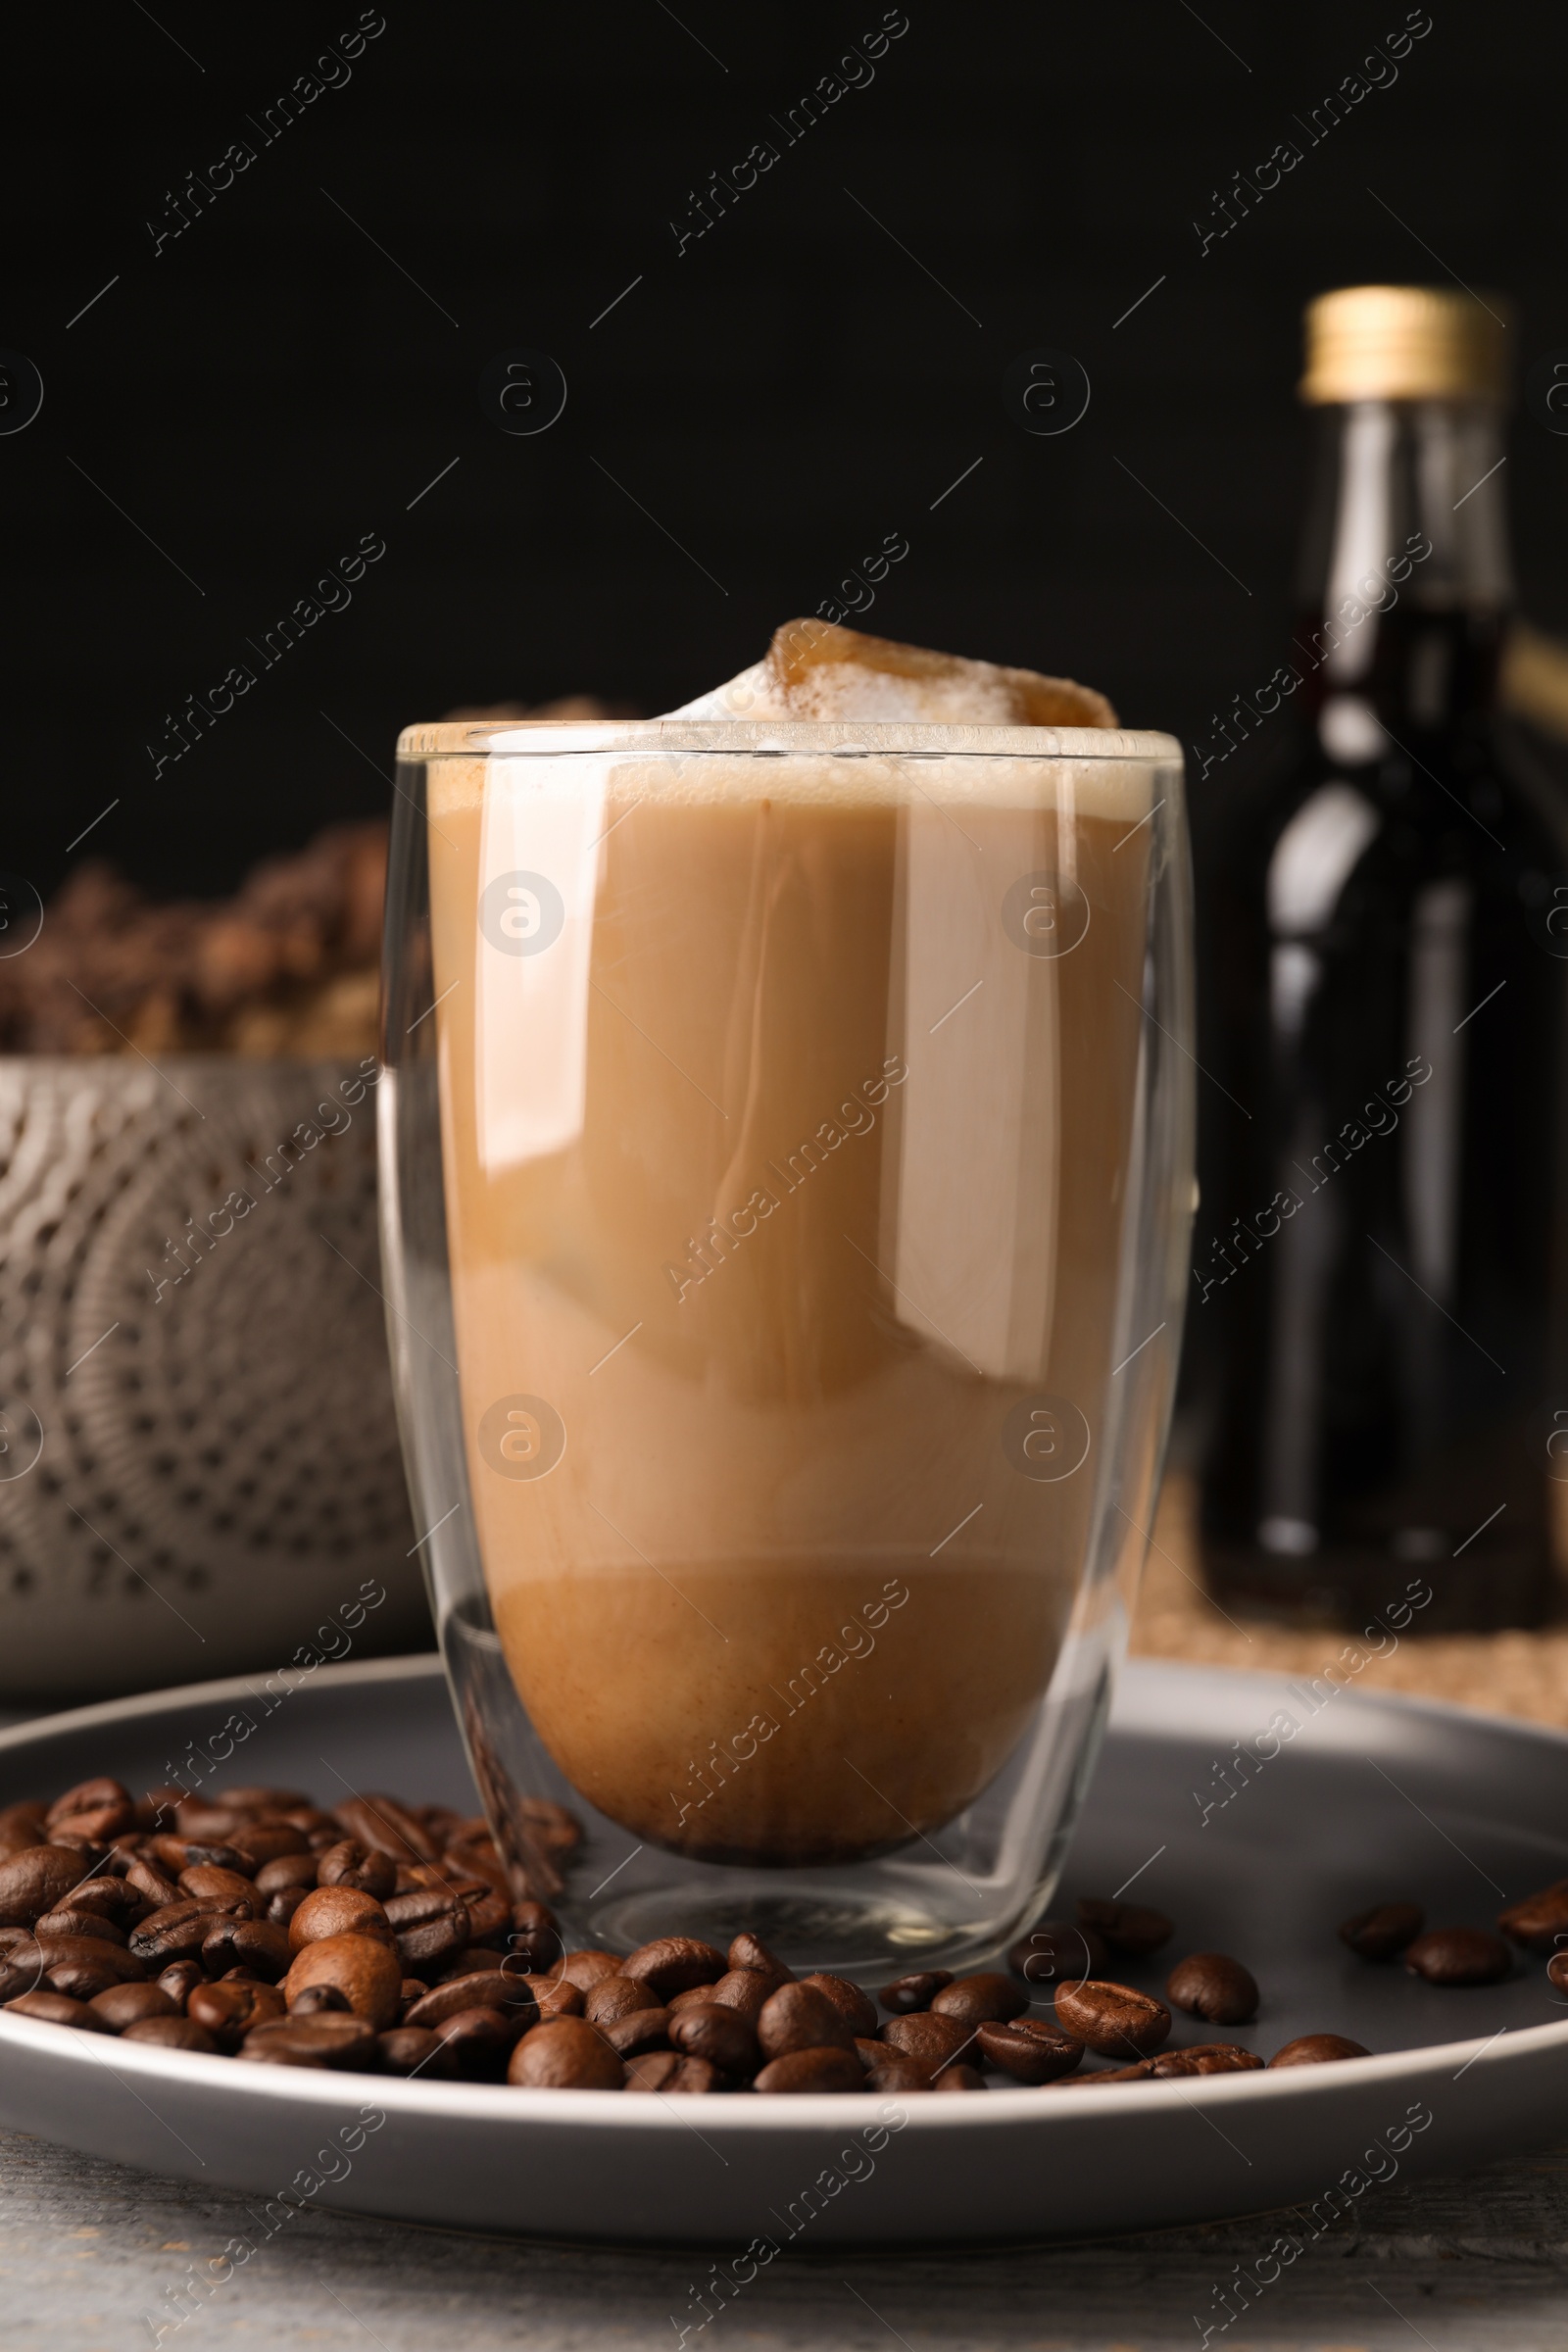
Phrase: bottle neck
(1406, 579)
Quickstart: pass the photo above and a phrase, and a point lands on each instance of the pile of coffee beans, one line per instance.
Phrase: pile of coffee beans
(385, 1938)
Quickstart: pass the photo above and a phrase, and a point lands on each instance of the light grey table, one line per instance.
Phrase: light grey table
(94, 2257)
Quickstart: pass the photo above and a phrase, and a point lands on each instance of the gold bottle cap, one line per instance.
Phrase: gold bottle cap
(1404, 343)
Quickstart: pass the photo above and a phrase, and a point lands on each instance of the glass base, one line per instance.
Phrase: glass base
(850, 1933)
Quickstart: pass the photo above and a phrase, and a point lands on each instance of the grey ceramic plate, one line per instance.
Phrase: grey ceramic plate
(1371, 1799)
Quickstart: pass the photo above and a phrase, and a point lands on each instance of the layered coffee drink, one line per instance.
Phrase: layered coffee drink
(788, 1086)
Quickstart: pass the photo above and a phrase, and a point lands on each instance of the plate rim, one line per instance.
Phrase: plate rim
(742, 2118)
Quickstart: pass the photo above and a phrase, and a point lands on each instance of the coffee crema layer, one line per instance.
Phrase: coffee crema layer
(787, 1108)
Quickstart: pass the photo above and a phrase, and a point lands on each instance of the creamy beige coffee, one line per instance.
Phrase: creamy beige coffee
(787, 1110)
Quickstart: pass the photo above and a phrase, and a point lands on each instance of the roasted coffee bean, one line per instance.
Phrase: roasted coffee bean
(565, 2053)
(388, 1828)
(693, 1996)
(264, 1842)
(172, 2034)
(959, 2077)
(1028, 2049)
(751, 1954)
(473, 1858)
(472, 1959)
(158, 1889)
(1458, 1956)
(367, 1973)
(22, 1969)
(229, 1885)
(199, 1818)
(70, 1922)
(854, 2004)
(429, 1925)
(415, 1878)
(21, 1826)
(1205, 2058)
(557, 1996)
(349, 1863)
(123, 2004)
(56, 2009)
(1128, 1928)
(67, 1958)
(260, 1946)
(641, 2030)
(1540, 1924)
(825, 2069)
(613, 1997)
(176, 1855)
(909, 1993)
(179, 1930)
(549, 1826)
(484, 1990)
(1382, 1933)
(37, 1879)
(896, 2070)
(1557, 1971)
(92, 1857)
(338, 1911)
(230, 2011)
(1055, 1952)
(320, 1829)
(744, 1990)
(931, 2041)
(1317, 2049)
(1212, 1986)
(155, 1809)
(535, 1936)
(717, 2034)
(97, 1809)
(981, 2001)
(674, 1964)
(476, 2046)
(1140, 2071)
(1112, 2019)
(406, 2049)
(249, 1799)
(111, 1897)
(585, 1968)
(325, 2039)
(311, 2000)
(489, 1913)
(281, 1907)
(289, 1873)
(179, 1978)
(797, 2017)
(667, 2070)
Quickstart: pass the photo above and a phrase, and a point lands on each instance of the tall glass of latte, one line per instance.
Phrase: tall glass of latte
(787, 1165)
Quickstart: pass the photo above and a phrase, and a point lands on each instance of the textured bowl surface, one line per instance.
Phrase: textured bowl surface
(198, 1454)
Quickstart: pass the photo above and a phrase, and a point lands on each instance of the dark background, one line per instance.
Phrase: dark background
(272, 384)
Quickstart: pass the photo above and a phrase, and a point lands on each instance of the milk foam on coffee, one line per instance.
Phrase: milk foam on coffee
(787, 1110)
(816, 670)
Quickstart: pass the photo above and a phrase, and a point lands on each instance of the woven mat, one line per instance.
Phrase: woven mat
(1503, 1674)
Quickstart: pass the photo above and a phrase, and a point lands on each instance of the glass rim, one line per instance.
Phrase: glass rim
(842, 739)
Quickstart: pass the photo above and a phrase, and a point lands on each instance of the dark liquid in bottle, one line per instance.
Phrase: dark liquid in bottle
(1380, 1269)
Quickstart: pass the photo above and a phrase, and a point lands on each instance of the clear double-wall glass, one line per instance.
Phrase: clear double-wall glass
(787, 1168)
